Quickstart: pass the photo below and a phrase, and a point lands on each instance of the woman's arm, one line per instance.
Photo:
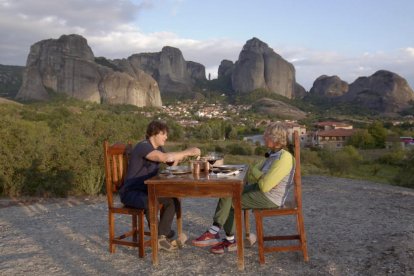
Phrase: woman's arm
(279, 169)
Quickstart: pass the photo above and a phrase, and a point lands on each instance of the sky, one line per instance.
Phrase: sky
(348, 39)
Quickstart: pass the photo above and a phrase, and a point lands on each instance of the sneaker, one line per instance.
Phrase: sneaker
(165, 244)
(222, 246)
(207, 239)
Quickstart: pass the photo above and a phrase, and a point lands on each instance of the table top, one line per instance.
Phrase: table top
(202, 177)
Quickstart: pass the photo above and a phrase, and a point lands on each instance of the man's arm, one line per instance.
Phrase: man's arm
(159, 156)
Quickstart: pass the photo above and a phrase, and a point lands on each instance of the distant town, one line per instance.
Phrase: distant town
(325, 134)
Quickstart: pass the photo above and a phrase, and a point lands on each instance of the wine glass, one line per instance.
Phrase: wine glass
(211, 157)
(170, 160)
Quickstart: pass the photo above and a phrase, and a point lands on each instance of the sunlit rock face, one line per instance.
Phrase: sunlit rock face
(67, 65)
(259, 67)
(169, 68)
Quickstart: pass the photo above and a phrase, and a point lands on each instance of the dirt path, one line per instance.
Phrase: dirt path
(353, 228)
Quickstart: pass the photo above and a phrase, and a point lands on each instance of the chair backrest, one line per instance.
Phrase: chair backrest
(297, 177)
(116, 163)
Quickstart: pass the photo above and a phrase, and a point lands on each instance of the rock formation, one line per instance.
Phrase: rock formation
(168, 67)
(225, 69)
(259, 67)
(384, 91)
(277, 109)
(299, 92)
(329, 86)
(67, 65)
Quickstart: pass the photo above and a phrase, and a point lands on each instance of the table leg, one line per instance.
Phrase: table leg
(239, 229)
(153, 209)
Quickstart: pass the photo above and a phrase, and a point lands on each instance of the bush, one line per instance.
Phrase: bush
(311, 157)
(239, 149)
(406, 175)
(342, 161)
(260, 150)
(396, 157)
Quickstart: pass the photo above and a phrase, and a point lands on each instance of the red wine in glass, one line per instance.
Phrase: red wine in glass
(169, 162)
(211, 161)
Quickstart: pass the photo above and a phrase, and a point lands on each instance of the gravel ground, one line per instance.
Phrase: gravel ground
(353, 228)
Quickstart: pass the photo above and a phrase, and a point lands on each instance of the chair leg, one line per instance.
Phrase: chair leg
(141, 248)
(247, 223)
(302, 236)
(179, 219)
(134, 228)
(259, 232)
(111, 231)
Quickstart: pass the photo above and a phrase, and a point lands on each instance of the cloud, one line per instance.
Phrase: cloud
(109, 26)
(310, 64)
(24, 22)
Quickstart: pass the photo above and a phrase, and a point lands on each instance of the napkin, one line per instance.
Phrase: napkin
(229, 173)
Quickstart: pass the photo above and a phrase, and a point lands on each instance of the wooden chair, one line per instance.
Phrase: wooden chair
(116, 164)
(294, 209)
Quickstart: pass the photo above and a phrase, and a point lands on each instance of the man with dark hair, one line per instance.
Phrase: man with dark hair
(143, 164)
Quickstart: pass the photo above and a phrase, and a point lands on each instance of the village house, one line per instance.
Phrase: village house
(331, 135)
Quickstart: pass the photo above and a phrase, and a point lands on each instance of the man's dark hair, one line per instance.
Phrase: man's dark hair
(156, 127)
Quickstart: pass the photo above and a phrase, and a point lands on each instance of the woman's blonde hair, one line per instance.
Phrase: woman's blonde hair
(278, 133)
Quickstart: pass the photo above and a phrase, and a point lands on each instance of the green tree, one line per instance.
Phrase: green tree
(362, 139)
(379, 133)
(204, 132)
(232, 135)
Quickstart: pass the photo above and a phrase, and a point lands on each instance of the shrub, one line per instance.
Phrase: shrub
(395, 157)
(406, 175)
(239, 149)
(342, 161)
(311, 157)
(260, 150)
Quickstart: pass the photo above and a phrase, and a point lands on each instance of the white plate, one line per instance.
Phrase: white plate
(179, 169)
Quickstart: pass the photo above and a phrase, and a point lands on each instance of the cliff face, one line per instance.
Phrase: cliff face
(259, 67)
(67, 65)
(169, 69)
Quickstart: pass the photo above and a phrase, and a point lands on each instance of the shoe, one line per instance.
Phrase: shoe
(222, 246)
(180, 241)
(250, 240)
(164, 244)
(170, 235)
(207, 239)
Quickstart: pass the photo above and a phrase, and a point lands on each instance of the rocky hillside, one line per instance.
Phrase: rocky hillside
(329, 86)
(383, 92)
(10, 80)
(67, 66)
(277, 109)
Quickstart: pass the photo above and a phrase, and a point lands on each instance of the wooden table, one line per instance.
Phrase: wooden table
(201, 185)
